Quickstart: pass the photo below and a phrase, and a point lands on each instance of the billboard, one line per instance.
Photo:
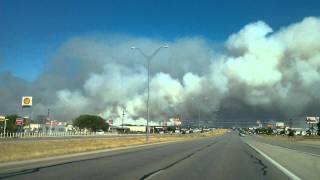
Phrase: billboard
(279, 125)
(26, 101)
(110, 121)
(259, 123)
(52, 123)
(2, 118)
(177, 122)
(269, 125)
(19, 121)
(312, 120)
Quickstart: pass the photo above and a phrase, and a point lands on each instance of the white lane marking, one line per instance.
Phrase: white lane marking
(279, 166)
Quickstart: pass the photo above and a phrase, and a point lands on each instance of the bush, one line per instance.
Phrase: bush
(11, 123)
(269, 131)
(291, 133)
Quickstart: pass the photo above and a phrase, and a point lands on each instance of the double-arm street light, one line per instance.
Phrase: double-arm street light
(148, 58)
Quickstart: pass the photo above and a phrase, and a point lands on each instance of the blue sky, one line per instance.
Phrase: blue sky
(32, 30)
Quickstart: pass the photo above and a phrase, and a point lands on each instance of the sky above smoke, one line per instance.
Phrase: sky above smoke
(257, 74)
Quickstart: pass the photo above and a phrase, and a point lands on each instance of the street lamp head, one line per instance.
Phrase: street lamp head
(133, 47)
(166, 46)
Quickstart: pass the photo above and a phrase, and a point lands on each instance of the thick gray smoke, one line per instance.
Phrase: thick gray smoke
(262, 74)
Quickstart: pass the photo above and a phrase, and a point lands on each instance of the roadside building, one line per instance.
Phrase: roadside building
(136, 128)
(33, 127)
(55, 126)
(70, 128)
(118, 129)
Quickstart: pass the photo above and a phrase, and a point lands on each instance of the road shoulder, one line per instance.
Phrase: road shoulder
(301, 164)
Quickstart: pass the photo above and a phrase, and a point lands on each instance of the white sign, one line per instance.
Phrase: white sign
(177, 122)
(26, 101)
(2, 118)
(312, 120)
(279, 125)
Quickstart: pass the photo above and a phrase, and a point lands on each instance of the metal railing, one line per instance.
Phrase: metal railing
(52, 134)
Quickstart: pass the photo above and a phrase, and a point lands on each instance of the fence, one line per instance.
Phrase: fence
(53, 134)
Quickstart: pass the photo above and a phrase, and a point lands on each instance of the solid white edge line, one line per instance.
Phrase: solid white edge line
(279, 166)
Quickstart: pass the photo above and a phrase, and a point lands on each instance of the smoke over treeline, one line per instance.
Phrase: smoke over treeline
(259, 74)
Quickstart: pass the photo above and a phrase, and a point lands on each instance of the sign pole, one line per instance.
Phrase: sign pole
(50, 127)
(27, 102)
(5, 126)
(22, 115)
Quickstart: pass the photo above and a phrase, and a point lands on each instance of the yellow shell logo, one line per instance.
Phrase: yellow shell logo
(26, 100)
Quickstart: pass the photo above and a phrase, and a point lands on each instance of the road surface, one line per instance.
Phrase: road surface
(300, 160)
(225, 157)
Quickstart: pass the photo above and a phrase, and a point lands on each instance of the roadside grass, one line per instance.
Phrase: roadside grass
(298, 139)
(20, 150)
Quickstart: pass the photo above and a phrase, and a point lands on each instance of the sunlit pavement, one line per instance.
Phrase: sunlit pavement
(226, 157)
(301, 161)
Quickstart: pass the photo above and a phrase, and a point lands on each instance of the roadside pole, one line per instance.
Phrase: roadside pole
(5, 126)
(123, 113)
(199, 118)
(27, 103)
(50, 128)
(3, 118)
(148, 58)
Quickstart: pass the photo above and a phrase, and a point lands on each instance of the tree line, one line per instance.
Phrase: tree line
(91, 123)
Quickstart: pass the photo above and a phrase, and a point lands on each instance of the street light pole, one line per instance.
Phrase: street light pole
(148, 58)
(199, 118)
(123, 113)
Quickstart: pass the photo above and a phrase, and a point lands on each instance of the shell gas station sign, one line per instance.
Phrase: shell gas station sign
(26, 101)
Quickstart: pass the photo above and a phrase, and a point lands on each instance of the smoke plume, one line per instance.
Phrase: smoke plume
(260, 74)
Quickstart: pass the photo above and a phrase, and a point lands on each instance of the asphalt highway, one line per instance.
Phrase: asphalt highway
(226, 157)
(298, 160)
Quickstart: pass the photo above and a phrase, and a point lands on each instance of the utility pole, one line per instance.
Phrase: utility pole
(3, 118)
(48, 119)
(5, 126)
(48, 115)
(290, 123)
(123, 113)
(199, 118)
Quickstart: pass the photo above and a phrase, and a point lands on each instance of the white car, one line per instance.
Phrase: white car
(100, 132)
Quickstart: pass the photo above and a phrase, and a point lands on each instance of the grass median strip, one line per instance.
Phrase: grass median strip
(295, 139)
(37, 149)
